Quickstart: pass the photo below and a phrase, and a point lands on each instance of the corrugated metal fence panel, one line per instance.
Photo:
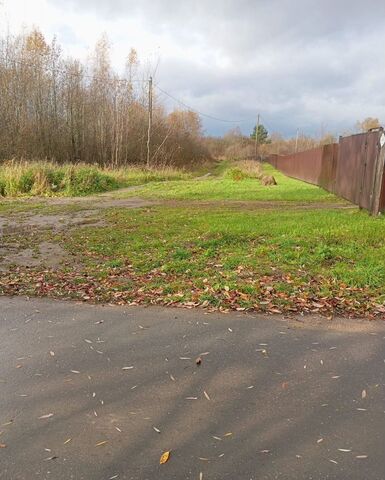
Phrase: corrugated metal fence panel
(352, 169)
(316, 166)
(327, 177)
(356, 167)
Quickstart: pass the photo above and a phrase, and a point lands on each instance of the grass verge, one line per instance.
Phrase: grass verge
(328, 261)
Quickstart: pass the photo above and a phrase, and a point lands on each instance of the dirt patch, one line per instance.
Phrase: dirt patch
(25, 236)
(25, 223)
(46, 254)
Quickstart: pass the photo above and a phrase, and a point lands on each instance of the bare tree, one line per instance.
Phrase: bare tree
(58, 108)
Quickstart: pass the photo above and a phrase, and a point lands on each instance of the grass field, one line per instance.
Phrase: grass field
(306, 252)
(224, 188)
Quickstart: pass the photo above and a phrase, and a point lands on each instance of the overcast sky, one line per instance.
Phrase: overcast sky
(308, 64)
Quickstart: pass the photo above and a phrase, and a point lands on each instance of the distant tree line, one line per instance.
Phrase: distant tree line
(235, 145)
(64, 110)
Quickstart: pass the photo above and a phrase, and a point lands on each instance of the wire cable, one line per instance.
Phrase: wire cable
(197, 111)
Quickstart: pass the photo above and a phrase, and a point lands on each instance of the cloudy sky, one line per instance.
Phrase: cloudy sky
(316, 65)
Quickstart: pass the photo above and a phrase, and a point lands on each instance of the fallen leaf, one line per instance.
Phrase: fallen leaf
(164, 458)
(156, 429)
(48, 415)
(52, 353)
(320, 440)
(75, 371)
(227, 434)
(363, 394)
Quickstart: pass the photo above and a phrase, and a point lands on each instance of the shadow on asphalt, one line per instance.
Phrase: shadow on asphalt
(283, 403)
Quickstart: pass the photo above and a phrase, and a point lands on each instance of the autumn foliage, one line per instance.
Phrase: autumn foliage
(57, 108)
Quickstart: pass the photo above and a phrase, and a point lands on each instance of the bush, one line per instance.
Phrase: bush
(244, 169)
(87, 180)
(235, 174)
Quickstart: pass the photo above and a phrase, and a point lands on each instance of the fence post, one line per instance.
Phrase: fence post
(378, 177)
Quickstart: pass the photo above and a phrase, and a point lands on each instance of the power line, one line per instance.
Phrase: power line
(83, 75)
(200, 113)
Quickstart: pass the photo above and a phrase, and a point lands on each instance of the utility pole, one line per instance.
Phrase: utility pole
(256, 139)
(149, 120)
(296, 141)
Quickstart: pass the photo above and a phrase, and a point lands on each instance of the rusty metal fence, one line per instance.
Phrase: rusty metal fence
(352, 169)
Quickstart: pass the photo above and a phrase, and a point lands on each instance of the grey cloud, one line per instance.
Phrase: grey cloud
(301, 63)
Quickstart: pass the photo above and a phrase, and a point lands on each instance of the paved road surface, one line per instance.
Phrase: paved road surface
(271, 400)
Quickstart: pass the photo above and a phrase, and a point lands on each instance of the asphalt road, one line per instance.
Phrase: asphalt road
(98, 393)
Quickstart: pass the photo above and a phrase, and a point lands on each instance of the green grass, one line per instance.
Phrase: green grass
(226, 188)
(289, 259)
(48, 179)
(284, 260)
(327, 243)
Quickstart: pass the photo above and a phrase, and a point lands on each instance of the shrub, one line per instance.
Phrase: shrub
(244, 169)
(87, 180)
(235, 174)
